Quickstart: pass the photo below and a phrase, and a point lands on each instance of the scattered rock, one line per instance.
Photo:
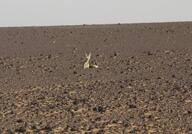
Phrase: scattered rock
(99, 109)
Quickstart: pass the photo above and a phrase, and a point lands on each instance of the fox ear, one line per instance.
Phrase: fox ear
(89, 56)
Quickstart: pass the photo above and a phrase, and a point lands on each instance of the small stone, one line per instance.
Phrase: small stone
(20, 130)
(49, 56)
(132, 106)
(149, 53)
(74, 72)
(99, 109)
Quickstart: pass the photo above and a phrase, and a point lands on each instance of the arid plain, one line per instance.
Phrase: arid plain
(141, 81)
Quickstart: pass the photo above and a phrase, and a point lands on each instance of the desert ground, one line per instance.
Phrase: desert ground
(141, 81)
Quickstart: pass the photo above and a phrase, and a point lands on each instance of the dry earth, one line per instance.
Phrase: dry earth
(143, 83)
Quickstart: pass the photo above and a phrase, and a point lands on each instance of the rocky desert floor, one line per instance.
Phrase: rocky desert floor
(143, 83)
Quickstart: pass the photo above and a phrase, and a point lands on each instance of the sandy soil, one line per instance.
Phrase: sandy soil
(143, 83)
